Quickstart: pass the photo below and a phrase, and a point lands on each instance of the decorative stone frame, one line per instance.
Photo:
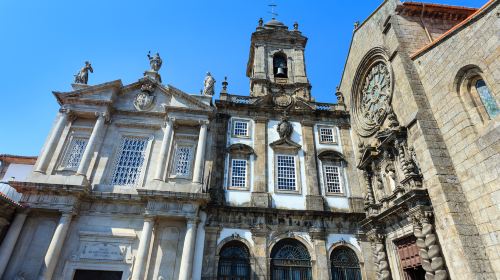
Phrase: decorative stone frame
(356, 251)
(335, 134)
(237, 238)
(464, 84)
(128, 132)
(75, 133)
(335, 158)
(374, 56)
(249, 128)
(244, 152)
(182, 140)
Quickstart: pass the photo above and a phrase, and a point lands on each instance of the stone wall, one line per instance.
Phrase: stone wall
(473, 145)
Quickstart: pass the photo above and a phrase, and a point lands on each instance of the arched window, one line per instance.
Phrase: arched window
(479, 101)
(280, 68)
(234, 262)
(290, 260)
(345, 264)
(489, 102)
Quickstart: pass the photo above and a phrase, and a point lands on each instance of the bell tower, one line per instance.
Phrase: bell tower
(276, 63)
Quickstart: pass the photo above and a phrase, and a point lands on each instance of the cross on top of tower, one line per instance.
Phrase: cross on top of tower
(273, 5)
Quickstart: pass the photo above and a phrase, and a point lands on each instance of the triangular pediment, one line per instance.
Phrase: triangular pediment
(90, 94)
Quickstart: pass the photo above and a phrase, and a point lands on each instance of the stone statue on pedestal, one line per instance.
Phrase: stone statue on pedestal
(82, 77)
(155, 61)
(209, 83)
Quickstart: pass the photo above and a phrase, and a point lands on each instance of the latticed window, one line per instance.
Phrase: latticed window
(345, 264)
(332, 178)
(326, 135)
(128, 165)
(489, 102)
(234, 262)
(286, 178)
(74, 153)
(182, 161)
(240, 128)
(290, 261)
(238, 173)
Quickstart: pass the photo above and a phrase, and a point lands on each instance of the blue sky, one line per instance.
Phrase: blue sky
(44, 43)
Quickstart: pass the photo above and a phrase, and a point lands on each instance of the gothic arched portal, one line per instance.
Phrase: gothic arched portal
(345, 264)
(290, 260)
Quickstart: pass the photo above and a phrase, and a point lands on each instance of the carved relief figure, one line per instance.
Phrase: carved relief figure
(82, 77)
(285, 128)
(208, 85)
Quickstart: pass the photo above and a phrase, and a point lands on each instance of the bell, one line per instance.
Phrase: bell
(281, 72)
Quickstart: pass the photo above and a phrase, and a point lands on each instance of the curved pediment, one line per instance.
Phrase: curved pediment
(285, 144)
(240, 149)
(331, 155)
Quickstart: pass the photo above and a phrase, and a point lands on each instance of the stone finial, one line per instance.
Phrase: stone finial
(82, 77)
(340, 96)
(356, 25)
(224, 85)
(295, 26)
(261, 22)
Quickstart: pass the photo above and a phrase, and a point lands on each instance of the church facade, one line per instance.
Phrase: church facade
(397, 180)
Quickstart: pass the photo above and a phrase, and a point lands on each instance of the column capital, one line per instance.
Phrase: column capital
(192, 220)
(104, 115)
(307, 123)
(65, 110)
(149, 218)
(204, 122)
(260, 119)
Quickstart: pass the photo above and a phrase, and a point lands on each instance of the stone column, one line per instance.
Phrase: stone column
(56, 244)
(259, 236)
(200, 154)
(90, 148)
(53, 140)
(380, 255)
(318, 237)
(314, 200)
(10, 240)
(430, 251)
(142, 252)
(165, 150)
(188, 249)
(260, 195)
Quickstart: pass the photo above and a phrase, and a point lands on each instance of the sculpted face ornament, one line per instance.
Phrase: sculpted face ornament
(372, 101)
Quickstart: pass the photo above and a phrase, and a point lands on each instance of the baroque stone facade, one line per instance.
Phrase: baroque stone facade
(398, 180)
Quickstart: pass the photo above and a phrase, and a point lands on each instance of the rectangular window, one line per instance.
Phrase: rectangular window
(238, 173)
(74, 153)
(182, 161)
(128, 165)
(327, 135)
(332, 179)
(286, 173)
(240, 128)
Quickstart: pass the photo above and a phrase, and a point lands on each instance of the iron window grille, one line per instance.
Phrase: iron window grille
(234, 262)
(128, 165)
(74, 153)
(240, 128)
(345, 264)
(182, 161)
(290, 260)
(333, 179)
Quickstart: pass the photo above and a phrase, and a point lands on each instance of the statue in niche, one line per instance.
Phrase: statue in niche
(390, 174)
(208, 85)
(155, 61)
(82, 77)
(285, 128)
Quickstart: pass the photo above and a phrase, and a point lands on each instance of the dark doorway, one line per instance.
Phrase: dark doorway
(81, 274)
(345, 264)
(234, 262)
(290, 260)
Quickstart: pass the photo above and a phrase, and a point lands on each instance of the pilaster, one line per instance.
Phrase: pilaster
(314, 200)
(260, 195)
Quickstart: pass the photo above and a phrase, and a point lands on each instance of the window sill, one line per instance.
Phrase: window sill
(335, 195)
(240, 189)
(288, 192)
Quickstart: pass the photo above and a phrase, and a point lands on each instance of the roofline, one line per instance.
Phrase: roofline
(18, 159)
(354, 33)
(454, 29)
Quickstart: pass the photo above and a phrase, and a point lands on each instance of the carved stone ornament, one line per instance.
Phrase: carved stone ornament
(145, 99)
(282, 100)
(285, 128)
(372, 92)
